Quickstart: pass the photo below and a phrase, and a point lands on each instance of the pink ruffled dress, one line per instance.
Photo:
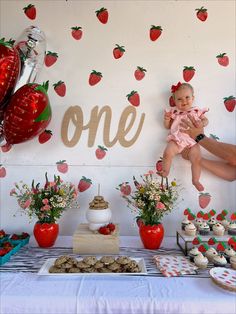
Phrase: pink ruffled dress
(182, 139)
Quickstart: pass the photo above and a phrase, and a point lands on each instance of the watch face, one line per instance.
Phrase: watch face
(199, 137)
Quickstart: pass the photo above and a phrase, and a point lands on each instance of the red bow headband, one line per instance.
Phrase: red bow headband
(174, 88)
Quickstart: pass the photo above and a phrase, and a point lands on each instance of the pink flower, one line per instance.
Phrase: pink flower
(45, 208)
(52, 183)
(26, 204)
(150, 172)
(160, 205)
(45, 201)
(12, 192)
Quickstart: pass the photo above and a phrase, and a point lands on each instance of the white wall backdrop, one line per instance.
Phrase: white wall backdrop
(185, 41)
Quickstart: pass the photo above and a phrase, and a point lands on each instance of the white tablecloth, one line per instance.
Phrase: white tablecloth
(28, 293)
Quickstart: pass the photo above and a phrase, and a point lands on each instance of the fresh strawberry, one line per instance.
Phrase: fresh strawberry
(94, 77)
(7, 244)
(84, 184)
(3, 251)
(159, 165)
(102, 15)
(14, 237)
(45, 136)
(111, 227)
(191, 216)
(202, 14)
(76, 32)
(230, 103)
(118, 51)
(212, 212)
(6, 147)
(221, 246)
(233, 216)
(206, 216)
(2, 233)
(104, 230)
(30, 11)
(223, 59)
(212, 241)
(220, 217)
(204, 199)
(188, 73)
(60, 88)
(2, 172)
(125, 188)
(171, 101)
(155, 32)
(197, 241)
(24, 235)
(187, 211)
(133, 98)
(200, 214)
(50, 58)
(62, 166)
(100, 152)
(203, 248)
(139, 73)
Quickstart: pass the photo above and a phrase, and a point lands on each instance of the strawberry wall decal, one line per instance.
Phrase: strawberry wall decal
(202, 14)
(125, 188)
(171, 101)
(60, 88)
(84, 184)
(139, 73)
(102, 15)
(230, 103)
(45, 136)
(76, 32)
(155, 32)
(204, 199)
(30, 11)
(159, 165)
(133, 98)
(223, 59)
(62, 166)
(118, 51)
(94, 77)
(50, 58)
(100, 152)
(188, 73)
(2, 171)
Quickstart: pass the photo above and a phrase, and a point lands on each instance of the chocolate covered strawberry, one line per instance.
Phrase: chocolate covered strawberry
(230, 103)
(62, 166)
(133, 98)
(118, 51)
(188, 73)
(60, 88)
(139, 73)
(2, 171)
(100, 152)
(50, 58)
(212, 212)
(94, 77)
(30, 11)
(155, 32)
(223, 59)
(204, 199)
(191, 216)
(76, 32)
(206, 216)
(125, 188)
(102, 15)
(84, 184)
(202, 14)
(220, 217)
(45, 136)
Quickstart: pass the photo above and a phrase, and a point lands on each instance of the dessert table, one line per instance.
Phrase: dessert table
(23, 291)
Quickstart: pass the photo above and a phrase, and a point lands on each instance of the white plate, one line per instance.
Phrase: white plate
(44, 270)
(225, 277)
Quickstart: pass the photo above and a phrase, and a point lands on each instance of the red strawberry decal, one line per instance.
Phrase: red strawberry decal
(155, 32)
(233, 216)
(223, 59)
(5, 148)
(204, 199)
(197, 241)
(221, 246)
(125, 188)
(94, 77)
(188, 73)
(45, 136)
(133, 98)
(230, 103)
(171, 101)
(159, 165)
(202, 14)
(60, 88)
(203, 248)
(200, 214)
(118, 51)
(62, 166)
(102, 15)
(212, 241)
(50, 58)
(76, 32)
(139, 73)
(84, 184)
(30, 11)
(100, 152)
(2, 172)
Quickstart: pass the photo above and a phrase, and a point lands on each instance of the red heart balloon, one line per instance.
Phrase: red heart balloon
(27, 114)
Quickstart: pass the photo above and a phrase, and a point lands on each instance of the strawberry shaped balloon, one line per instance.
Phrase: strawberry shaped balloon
(27, 114)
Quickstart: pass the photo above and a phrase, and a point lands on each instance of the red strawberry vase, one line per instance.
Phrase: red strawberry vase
(46, 234)
(151, 236)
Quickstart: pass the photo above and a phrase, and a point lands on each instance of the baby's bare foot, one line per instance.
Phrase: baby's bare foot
(198, 186)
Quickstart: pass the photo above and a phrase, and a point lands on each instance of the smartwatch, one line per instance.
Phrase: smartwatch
(199, 137)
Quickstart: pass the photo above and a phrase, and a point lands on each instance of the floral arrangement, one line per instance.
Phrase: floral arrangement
(151, 199)
(46, 203)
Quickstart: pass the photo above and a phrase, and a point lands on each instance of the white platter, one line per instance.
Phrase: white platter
(44, 270)
(224, 277)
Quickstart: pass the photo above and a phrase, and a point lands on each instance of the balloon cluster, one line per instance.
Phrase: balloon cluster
(25, 109)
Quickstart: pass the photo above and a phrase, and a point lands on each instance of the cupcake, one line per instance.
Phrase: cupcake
(197, 222)
(193, 253)
(211, 222)
(185, 222)
(233, 262)
(218, 229)
(204, 228)
(228, 253)
(225, 223)
(211, 253)
(232, 228)
(190, 229)
(219, 261)
(200, 261)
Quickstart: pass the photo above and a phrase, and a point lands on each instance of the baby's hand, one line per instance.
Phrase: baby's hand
(167, 115)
